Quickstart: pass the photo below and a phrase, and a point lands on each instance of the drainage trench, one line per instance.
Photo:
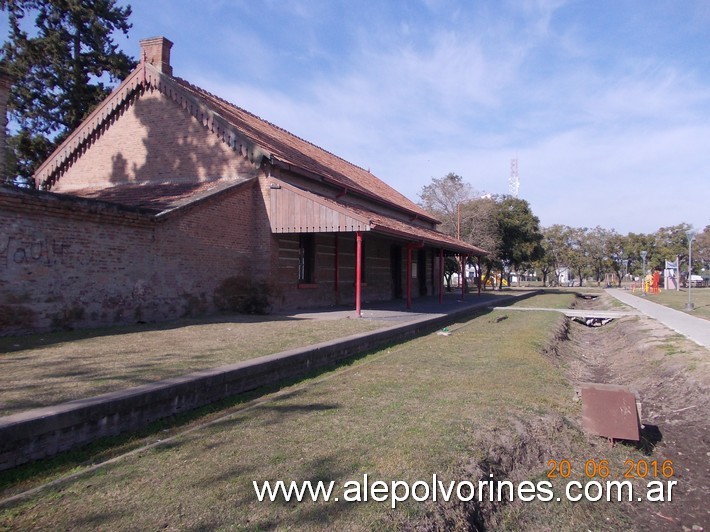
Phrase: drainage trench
(627, 351)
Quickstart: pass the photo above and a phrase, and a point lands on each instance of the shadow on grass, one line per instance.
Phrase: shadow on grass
(95, 519)
(29, 475)
(9, 344)
(42, 471)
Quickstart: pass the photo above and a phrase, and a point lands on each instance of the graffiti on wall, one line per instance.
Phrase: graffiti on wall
(38, 251)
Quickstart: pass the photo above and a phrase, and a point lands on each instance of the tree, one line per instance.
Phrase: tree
(61, 72)
(520, 235)
(701, 248)
(555, 245)
(575, 254)
(504, 226)
(451, 266)
(596, 243)
(670, 242)
(443, 198)
(616, 256)
(479, 226)
(637, 242)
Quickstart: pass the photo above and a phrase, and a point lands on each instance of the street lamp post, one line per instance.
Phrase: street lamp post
(643, 273)
(691, 235)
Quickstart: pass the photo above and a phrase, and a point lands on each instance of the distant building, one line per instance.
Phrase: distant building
(563, 275)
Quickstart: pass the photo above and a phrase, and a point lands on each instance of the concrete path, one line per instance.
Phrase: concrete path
(697, 329)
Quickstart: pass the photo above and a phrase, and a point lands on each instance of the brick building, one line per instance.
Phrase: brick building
(166, 192)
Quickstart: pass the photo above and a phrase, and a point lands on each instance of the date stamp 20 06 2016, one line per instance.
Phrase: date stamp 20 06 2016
(603, 483)
(601, 469)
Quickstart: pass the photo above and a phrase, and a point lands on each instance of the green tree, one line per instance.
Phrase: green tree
(600, 244)
(701, 249)
(636, 243)
(669, 243)
(521, 238)
(451, 266)
(480, 227)
(575, 255)
(60, 69)
(616, 254)
(504, 226)
(552, 262)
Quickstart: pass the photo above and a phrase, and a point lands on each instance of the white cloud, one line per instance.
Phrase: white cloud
(605, 130)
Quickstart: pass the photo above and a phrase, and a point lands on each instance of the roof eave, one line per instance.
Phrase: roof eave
(291, 167)
(450, 246)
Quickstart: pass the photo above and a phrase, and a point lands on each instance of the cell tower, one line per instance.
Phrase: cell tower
(514, 181)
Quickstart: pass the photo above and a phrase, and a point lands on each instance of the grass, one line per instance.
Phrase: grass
(45, 369)
(677, 300)
(552, 298)
(432, 405)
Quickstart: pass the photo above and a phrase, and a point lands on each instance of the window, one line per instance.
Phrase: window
(306, 258)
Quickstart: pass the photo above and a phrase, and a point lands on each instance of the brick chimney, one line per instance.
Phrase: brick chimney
(156, 51)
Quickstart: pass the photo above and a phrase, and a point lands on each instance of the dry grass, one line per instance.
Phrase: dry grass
(677, 300)
(552, 298)
(433, 405)
(46, 369)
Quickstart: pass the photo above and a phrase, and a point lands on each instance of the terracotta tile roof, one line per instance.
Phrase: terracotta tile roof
(429, 236)
(286, 147)
(303, 154)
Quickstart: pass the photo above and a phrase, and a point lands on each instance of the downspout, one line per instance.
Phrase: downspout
(358, 273)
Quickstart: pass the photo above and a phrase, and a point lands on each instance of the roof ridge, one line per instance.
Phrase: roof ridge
(223, 100)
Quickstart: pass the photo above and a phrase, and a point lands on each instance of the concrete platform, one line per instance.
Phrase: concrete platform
(396, 311)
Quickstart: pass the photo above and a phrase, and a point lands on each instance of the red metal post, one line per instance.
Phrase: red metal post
(358, 273)
(441, 275)
(409, 275)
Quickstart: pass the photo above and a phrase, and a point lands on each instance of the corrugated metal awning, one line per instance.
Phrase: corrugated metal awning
(297, 211)
(294, 210)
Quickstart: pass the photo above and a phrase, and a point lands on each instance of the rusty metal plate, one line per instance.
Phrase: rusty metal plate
(609, 410)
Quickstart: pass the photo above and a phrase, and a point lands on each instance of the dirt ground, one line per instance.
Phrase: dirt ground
(671, 377)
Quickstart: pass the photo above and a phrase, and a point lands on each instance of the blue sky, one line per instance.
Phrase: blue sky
(605, 104)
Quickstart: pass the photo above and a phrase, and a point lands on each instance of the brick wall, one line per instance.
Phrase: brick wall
(67, 262)
(378, 276)
(152, 140)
